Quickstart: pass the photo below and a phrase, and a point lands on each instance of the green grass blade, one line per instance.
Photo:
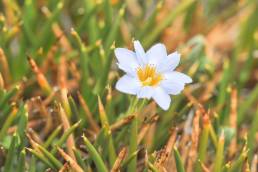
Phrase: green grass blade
(101, 84)
(252, 135)
(57, 164)
(95, 155)
(52, 136)
(64, 137)
(8, 166)
(251, 99)
(179, 163)
(21, 162)
(41, 157)
(133, 144)
(219, 154)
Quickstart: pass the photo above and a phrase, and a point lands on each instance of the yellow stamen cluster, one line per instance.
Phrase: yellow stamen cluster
(148, 76)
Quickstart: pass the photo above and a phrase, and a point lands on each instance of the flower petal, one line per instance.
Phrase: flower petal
(156, 54)
(126, 60)
(145, 92)
(174, 82)
(169, 63)
(177, 77)
(161, 98)
(140, 53)
(172, 87)
(128, 84)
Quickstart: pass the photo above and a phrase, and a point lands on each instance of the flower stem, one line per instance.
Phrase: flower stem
(133, 103)
(135, 107)
(133, 134)
(133, 144)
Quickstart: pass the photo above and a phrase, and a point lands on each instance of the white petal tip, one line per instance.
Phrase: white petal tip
(137, 45)
(136, 42)
(188, 80)
(176, 52)
(165, 108)
(162, 98)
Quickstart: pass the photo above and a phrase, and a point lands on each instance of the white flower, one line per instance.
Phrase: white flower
(151, 74)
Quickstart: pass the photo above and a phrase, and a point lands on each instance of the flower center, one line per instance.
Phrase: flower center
(148, 76)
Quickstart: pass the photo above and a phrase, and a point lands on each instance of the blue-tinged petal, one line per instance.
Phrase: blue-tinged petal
(161, 98)
(128, 84)
(145, 92)
(128, 70)
(156, 54)
(126, 60)
(177, 77)
(140, 53)
(169, 63)
(172, 87)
